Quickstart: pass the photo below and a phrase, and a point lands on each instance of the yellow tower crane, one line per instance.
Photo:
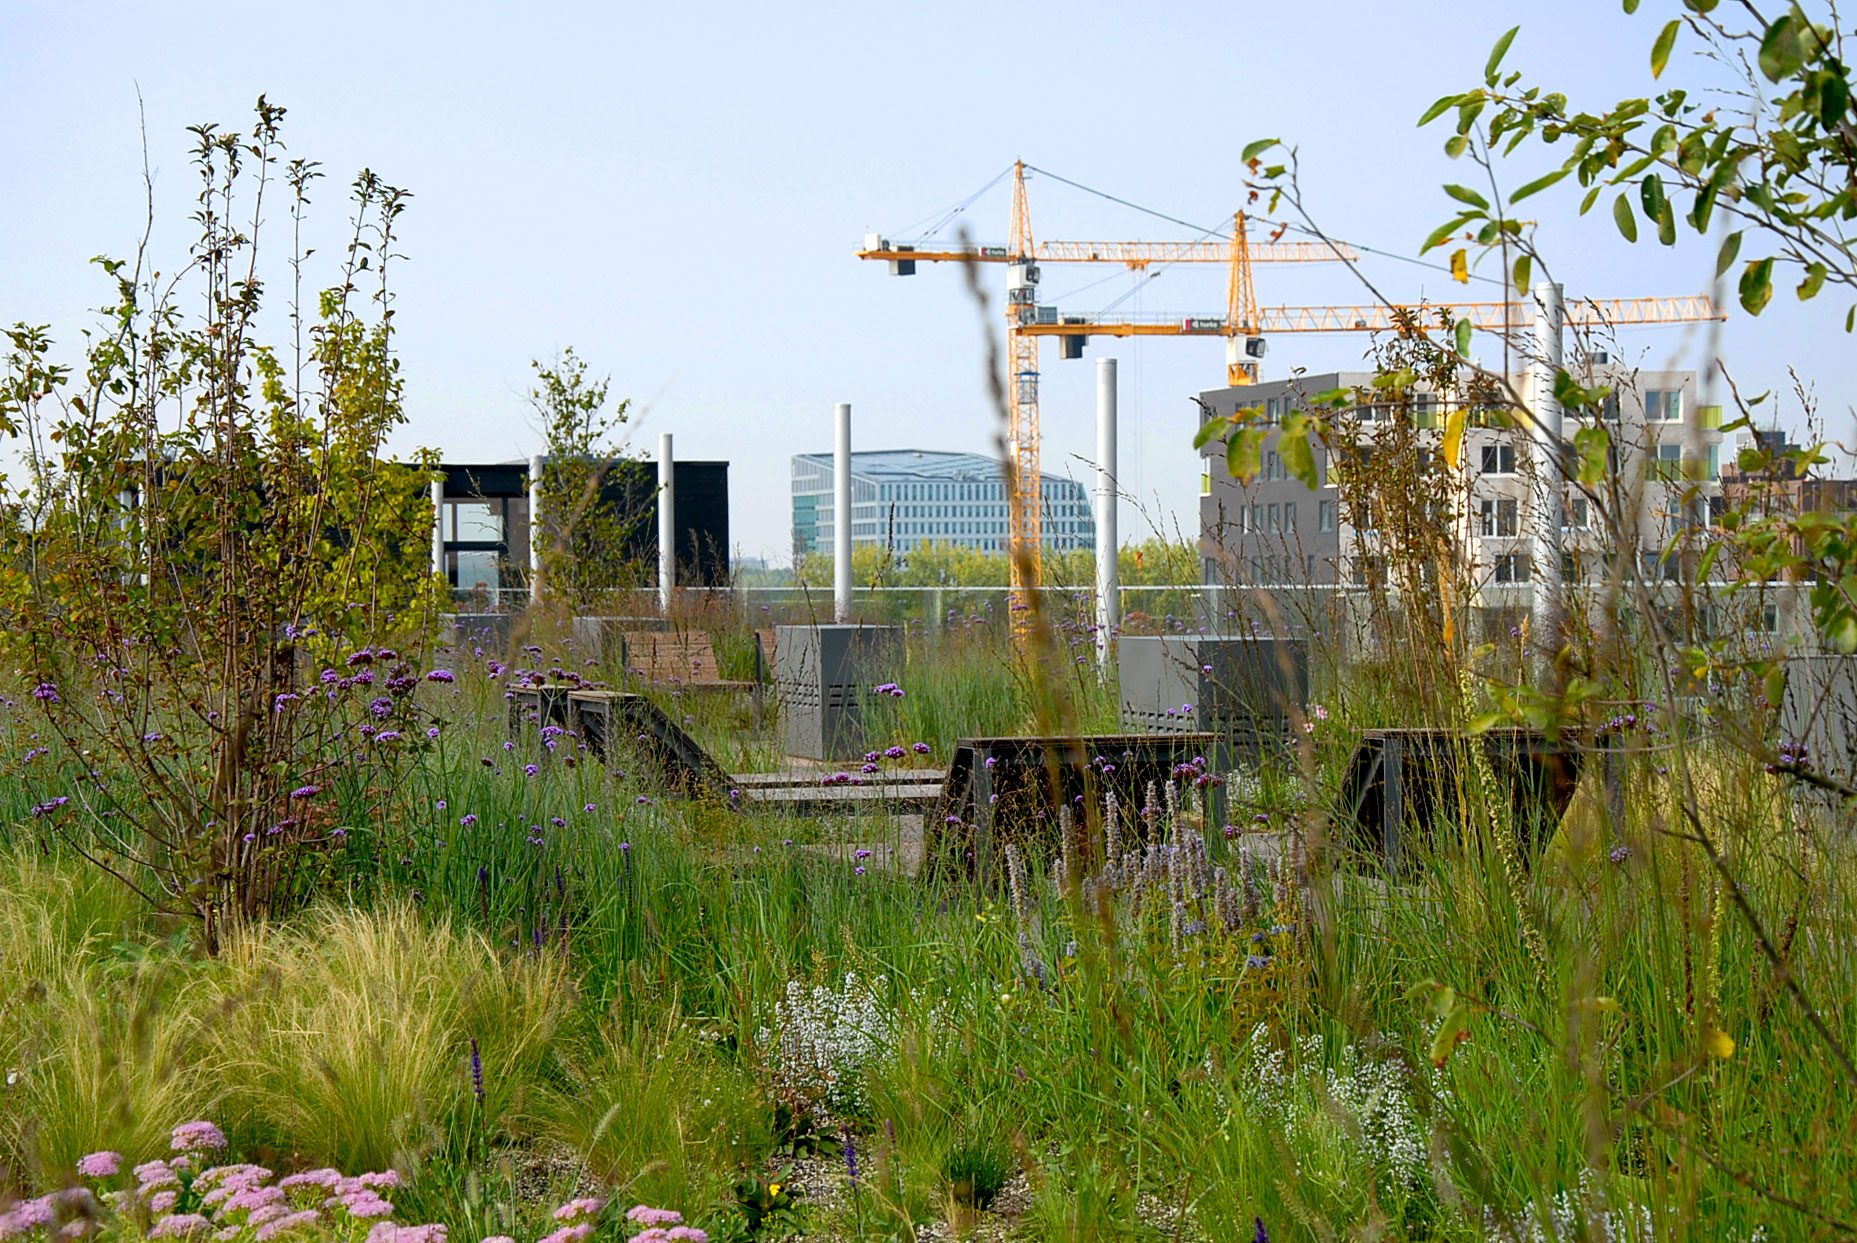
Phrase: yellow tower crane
(1026, 321)
(1244, 326)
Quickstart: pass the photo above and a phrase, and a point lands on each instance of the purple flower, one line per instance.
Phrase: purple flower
(857, 871)
(382, 707)
(306, 792)
(851, 1155)
(625, 848)
(100, 1164)
(432, 731)
(1620, 854)
(589, 809)
(388, 735)
(920, 748)
(50, 805)
(440, 675)
(863, 854)
(362, 657)
(645, 1215)
(585, 1207)
(181, 1226)
(477, 1073)
(1262, 1235)
(895, 753)
(45, 692)
(530, 769)
(642, 801)
(467, 820)
(197, 1137)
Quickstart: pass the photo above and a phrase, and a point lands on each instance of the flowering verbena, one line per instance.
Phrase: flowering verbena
(182, 1197)
(820, 1042)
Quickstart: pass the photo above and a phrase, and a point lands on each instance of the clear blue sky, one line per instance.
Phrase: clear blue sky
(676, 190)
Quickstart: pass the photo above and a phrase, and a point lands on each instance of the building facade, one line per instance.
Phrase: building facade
(905, 498)
(1276, 531)
(484, 524)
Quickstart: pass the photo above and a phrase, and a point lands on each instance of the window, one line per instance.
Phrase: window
(1270, 410)
(1273, 465)
(1205, 483)
(1715, 462)
(477, 522)
(1576, 516)
(1512, 567)
(1276, 519)
(1325, 515)
(1669, 462)
(1289, 516)
(1499, 519)
(1257, 518)
(1499, 459)
(1424, 410)
(1663, 405)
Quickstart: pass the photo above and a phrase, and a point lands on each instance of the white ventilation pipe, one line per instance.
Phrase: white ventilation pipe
(667, 522)
(1550, 486)
(841, 516)
(1108, 573)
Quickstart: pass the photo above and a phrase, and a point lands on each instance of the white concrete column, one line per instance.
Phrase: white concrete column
(1108, 573)
(438, 527)
(1550, 487)
(537, 535)
(667, 522)
(841, 516)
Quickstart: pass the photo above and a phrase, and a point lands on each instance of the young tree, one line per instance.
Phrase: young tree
(592, 509)
(220, 588)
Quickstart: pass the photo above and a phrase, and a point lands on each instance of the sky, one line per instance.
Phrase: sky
(677, 191)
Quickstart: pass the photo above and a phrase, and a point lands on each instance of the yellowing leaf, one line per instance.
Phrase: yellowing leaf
(1453, 446)
(1718, 1043)
(1460, 266)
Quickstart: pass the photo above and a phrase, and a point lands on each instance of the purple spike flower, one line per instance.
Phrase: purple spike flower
(477, 1073)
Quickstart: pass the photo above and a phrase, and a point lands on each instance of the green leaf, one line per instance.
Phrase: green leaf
(1463, 338)
(1660, 50)
(1242, 453)
(1757, 286)
(1539, 184)
(1298, 456)
(1439, 109)
(1724, 259)
(1666, 224)
(1631, 6)
(1453, 1028)
(1456, 145)
(1776, 685)
(1782, 52)
(1524, 268)
(1651, 196)
(1627, 223)
(1813, 282)
(1591, 444)
(1464, 194)
(1442, 234)
(1497, 53)
(1254, 149)
(1211, 428)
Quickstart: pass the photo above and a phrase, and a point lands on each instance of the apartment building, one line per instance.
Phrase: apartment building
(1277, 531)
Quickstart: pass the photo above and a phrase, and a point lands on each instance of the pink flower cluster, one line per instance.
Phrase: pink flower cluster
(663, 1225)
(222, 1203)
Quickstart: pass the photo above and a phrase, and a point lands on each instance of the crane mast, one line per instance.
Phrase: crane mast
(1025, 488)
